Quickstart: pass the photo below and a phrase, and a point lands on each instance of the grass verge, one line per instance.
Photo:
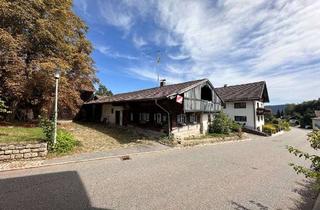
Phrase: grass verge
(10, 134)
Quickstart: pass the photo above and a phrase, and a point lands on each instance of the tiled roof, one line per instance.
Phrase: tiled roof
(244, 92)
(150, 94)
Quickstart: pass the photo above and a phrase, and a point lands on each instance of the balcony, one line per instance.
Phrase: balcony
(198, 105)
(263, 111)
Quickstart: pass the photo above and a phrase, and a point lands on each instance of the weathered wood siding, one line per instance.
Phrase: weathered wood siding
(194, 103)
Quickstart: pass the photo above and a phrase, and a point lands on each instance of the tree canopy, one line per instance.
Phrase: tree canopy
(103, 91)
(303, 111)
(36, 38)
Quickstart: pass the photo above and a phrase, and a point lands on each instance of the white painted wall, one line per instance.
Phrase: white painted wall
(109, 116)
(250, 112)
(204, 123)
(316, 123)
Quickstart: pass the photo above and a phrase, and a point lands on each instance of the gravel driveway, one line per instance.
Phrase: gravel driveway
(236, 175)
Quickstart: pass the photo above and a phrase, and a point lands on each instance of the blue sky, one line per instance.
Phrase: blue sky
(229, 42)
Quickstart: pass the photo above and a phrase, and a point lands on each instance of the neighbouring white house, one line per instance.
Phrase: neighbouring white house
(245, 103)
(316, 121)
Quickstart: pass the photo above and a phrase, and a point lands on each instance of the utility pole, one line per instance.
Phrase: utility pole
(157, 66)
(56, 76)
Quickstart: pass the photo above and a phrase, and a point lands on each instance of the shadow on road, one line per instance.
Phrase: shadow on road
(307, 193)
(62, 190)
(256, 205)
(305, 190)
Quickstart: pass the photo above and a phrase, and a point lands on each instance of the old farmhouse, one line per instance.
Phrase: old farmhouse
(245, 103)
(182, 109)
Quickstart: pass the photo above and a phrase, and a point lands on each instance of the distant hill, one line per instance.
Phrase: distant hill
(275, 108)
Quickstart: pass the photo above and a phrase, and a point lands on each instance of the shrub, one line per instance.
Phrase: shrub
(276, 121)
(314, 170)
(47, 128)
(65, 142)
(221, 124)
(3, 107)
(236, 127)
(285, 125)
(269, 129)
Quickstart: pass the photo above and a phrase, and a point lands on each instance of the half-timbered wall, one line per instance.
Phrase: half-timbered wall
(195, 100)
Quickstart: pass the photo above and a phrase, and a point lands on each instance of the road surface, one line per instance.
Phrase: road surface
(238, 175)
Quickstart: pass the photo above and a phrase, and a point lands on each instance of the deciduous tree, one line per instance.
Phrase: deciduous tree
(37, 37)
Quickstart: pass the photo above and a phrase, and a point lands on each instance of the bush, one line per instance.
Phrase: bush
(314, 170)
(220, 124)
(285, 125)
(47, 128)
(65, 142)
(269, 129)
(223, 125)
(236, 127)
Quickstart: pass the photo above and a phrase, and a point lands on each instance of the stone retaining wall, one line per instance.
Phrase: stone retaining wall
(18, 151)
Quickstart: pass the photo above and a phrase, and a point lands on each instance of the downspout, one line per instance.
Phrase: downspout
(254, 115)
(169, 121)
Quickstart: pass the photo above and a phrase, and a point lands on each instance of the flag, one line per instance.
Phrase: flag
(179, 99)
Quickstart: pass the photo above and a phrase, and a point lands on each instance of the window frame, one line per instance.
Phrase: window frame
(240, 120)
(239, 105)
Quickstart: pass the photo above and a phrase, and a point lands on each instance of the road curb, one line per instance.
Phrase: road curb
(84, 160)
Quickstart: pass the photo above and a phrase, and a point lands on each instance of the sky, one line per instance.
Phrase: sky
(227, 41)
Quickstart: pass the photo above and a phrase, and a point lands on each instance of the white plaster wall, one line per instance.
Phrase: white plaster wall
(186, 131)
(111, 117)
(204, 123)
(316, 123)
(250, 112)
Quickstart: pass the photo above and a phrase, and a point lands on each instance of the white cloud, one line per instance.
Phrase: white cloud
(107, 51)
(230, 41)
(138, 41)
(116, 14)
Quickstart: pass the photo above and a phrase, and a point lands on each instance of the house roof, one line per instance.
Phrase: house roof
(152, 93)
(244, 92)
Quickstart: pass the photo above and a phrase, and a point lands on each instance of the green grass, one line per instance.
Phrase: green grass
(19, 134)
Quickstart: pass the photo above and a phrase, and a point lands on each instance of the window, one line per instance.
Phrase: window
(240, 118)
(181, 119)
(193, 118)
(164, 118)
(144, 117)
(112, 110)
(240, 105)
(224, 105)
(131, 116)
(258, 104)
(158, 118)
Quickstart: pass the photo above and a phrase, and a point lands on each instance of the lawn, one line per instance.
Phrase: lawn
(97, 137)
(19, 134)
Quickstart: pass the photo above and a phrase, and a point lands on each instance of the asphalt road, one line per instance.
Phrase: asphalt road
(239, 175)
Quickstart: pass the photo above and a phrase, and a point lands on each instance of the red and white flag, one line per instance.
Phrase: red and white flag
(179, 99)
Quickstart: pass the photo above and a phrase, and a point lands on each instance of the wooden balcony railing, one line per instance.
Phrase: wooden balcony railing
(198, 105)
(263, 111)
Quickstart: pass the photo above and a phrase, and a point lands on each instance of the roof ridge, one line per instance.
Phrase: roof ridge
(262, 81)
(153, 88)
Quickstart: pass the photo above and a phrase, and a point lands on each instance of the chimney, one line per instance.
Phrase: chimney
(225, 85)
(162, 82)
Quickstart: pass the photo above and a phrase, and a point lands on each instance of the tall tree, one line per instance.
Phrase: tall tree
(37, 37)
(103, 91)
